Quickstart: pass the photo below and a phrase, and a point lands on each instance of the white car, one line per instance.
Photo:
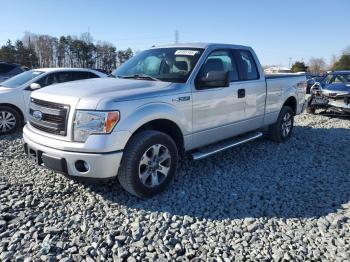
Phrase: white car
(15, 92)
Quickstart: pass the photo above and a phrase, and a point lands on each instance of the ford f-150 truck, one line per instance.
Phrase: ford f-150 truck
(164, 102)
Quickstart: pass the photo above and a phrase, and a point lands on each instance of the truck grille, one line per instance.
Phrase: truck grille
(49, 117)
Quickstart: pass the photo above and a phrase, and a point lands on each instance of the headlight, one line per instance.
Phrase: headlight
(93, 122)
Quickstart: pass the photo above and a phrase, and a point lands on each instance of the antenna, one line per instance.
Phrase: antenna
(176, 36)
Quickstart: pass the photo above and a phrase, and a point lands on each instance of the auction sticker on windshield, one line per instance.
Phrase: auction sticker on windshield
(186, 52)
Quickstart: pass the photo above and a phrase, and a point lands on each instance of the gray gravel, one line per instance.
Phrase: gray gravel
(261, 201)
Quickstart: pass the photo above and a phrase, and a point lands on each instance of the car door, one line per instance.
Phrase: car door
(253, 85)
(216, 110)
(45, 80)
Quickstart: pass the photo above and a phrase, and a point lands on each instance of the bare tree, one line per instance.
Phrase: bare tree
(73, 51)
(333, 60)
(317, 65)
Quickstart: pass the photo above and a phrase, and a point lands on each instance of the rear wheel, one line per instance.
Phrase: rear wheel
(10, 120)
(282, 129)
(149, 163)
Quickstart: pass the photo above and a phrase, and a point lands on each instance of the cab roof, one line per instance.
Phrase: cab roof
(200, 45)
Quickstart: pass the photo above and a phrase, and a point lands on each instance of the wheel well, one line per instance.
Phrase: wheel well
(291, 102)
(168, 127)
(15, 108)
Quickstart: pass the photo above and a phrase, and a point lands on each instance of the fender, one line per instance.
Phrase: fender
(154, 111)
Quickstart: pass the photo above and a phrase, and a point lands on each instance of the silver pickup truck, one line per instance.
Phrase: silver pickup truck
(164, 102)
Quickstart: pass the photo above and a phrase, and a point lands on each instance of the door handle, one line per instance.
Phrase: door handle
(241, 93)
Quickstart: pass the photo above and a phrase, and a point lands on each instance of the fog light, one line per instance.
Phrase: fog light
(82, 166)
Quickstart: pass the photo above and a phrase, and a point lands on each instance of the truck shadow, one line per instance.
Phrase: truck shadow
(309, 176)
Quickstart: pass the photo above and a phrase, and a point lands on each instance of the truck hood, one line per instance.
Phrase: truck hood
(91, 92)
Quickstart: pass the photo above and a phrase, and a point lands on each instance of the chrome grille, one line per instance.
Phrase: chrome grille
(49, 117)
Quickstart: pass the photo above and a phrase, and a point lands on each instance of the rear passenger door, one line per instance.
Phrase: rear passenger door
(253, 86)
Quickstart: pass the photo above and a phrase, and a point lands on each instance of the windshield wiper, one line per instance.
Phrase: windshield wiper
(143, 76)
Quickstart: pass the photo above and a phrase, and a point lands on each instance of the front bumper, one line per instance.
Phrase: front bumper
(100, 165)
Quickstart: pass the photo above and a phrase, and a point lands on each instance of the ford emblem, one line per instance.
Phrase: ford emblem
(37, 115)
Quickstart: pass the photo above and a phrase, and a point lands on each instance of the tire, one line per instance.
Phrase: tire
(141, 168)
(10, 120)
(311, 110)
(277, 131)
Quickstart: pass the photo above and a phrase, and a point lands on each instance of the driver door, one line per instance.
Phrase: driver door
(217, 110)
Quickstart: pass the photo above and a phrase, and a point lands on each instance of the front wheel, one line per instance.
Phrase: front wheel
(10, 120)
(149, 163)
(282, 129)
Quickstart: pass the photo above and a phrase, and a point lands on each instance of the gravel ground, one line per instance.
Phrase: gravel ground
(261, 201)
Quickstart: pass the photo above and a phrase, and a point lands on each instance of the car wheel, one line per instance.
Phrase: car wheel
(10, 120)
(149, 163)
(282, 129)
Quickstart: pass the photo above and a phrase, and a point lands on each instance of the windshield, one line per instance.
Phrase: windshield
(337, 78)
(164, 64)
(21, 79)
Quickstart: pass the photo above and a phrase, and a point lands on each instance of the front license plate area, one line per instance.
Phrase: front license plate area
(33, 154)
(43, 159)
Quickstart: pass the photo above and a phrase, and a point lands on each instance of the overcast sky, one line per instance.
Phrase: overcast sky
(277, 30)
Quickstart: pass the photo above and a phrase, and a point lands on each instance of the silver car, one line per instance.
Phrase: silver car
(15, 92)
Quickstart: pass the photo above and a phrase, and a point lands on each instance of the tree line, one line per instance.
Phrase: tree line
(38, 51)
(319, 65)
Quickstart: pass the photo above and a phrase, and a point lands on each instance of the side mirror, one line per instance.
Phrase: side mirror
(214, 79)
(34, 86)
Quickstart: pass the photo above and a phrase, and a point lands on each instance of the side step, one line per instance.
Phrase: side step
(221, 146)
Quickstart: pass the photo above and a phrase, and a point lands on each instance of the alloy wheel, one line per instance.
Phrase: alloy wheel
(154, 166)
(287, 123)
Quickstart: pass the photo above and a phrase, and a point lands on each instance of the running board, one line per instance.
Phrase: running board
(211, 150)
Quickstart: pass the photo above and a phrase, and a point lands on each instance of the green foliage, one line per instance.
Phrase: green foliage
(18, 53)
(299, 67)
(8, 52)
(124, 55)
(343, 63)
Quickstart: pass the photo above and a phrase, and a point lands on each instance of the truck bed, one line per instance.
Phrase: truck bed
(283, 75)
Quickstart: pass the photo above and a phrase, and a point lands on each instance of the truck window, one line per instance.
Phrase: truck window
(248, 69)
(220, 61)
